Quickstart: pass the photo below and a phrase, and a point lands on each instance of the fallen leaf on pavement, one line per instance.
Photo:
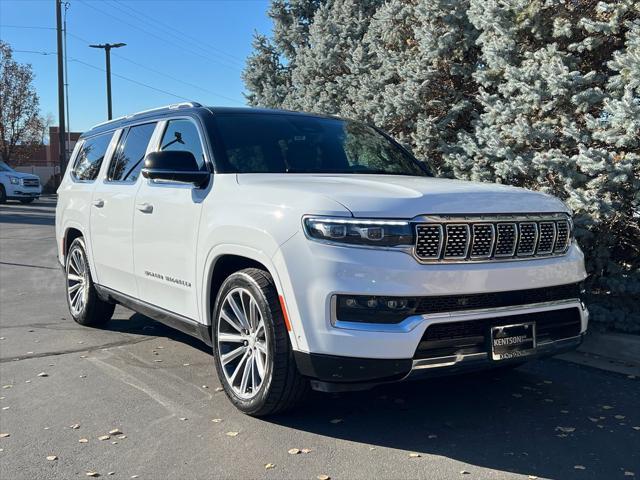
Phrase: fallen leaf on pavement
(92, 474)
(268, 466)
(115, 431)
(579, 467)
(51, 458)
(219, 389)
(5, 435)
(75, 426)
(432, 436)
(111, 473)
(83, 440)
(232, 434)
(323, 477)
(216, 420)
(566, 429)
(305, 450)
(43, 374)
(293, 451)
(122, 437)
(464, 472)
(183, 418)
(607, 407)
(629, 474)
(104, 437)
(636, 428)
(619, 417)
(335, 420)
(414, 455)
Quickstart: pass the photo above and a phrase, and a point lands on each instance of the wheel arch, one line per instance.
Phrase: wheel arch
(221, 262)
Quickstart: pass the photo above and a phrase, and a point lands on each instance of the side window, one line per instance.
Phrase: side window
(129, 157)
(183, 135)
(90, 156)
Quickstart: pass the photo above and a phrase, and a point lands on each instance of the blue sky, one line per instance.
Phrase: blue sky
(183, 48)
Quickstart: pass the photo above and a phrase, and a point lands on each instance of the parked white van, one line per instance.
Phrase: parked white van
(311, 251)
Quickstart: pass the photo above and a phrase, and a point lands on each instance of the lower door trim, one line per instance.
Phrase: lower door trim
(171, 319)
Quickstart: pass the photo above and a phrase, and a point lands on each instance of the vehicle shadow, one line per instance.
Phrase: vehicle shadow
(531, 421)
(139, 324)
(26, 219)
(541, 419)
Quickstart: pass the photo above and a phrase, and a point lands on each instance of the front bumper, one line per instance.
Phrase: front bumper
(20, 192)
(310, 274)
(339, 374)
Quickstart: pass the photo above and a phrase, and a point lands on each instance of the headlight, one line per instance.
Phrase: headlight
(377, 233)
(14, 180)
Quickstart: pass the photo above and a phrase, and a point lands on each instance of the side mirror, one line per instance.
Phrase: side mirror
(174, 166)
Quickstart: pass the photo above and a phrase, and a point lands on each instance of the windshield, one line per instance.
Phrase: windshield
(5, 168)
(281, 143)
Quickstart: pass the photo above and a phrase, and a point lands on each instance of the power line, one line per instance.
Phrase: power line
(175, 32)
(162, 39)
(159, 72)
(34, 51)
(76, 60)
(27, 27)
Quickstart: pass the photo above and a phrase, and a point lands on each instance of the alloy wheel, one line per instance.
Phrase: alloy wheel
(243, 348)
(77, 281)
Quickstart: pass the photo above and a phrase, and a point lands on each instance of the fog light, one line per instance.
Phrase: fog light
(351, 302)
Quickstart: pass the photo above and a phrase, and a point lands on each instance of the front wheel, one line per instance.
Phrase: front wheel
(85, 306)
(251, 348)
(3, 194)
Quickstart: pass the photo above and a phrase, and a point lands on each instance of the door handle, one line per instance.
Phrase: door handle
(99, 203)
(145, 207)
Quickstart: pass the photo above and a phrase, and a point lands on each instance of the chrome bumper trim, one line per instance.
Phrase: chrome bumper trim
(544, 348)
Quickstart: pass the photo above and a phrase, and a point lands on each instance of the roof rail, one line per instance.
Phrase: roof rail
(173, 106)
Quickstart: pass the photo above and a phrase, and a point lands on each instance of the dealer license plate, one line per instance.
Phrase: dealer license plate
(512, 341)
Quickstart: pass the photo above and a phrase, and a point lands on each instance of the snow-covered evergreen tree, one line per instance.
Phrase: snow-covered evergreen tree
(414, 79)
(267, 74)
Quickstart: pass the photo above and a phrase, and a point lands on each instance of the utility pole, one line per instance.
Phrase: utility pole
(61, 119)
(107, 50)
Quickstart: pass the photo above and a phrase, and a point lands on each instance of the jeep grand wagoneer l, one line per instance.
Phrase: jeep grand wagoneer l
(311, 251)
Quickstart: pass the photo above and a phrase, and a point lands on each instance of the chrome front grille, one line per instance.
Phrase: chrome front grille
(30, 182)
(442, 239)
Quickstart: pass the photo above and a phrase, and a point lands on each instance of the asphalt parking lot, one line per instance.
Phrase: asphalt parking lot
(64, 386)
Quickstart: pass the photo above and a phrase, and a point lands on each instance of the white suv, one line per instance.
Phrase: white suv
(17, 185)
(311, 251)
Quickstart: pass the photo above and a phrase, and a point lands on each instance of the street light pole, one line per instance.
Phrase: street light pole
(107, 50)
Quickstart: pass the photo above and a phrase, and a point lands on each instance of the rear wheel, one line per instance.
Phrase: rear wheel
(85, 305)
(251, 346)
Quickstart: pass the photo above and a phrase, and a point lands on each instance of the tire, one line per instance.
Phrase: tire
(26, 201)
(3, 194)
(85, 305)
(262, 338)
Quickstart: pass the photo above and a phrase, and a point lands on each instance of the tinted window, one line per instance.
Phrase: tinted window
(128, 161)
(183, 135)
(90, 157)
(280, 143)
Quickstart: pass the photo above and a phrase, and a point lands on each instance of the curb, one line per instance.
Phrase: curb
(614, 352)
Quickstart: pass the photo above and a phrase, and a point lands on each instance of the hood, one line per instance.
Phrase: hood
(21, 175)
(395, 196)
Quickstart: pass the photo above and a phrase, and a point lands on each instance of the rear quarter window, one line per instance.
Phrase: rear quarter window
(90, 157)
